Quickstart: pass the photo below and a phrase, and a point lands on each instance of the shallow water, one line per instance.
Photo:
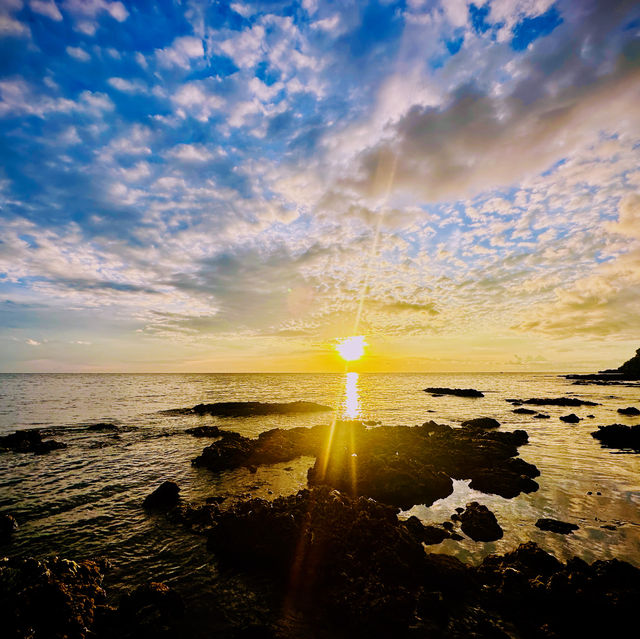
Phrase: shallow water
(85, 501)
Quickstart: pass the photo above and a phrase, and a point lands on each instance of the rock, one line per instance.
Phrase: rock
(618, 436)
(481, 422)
(570, 419)
(250, 409)
(163, 497)
(457, 392)
(524, 411)
(556, 526)
(215, 499)
(49, 598)
(153, 610)
(102, 426)
(609, 527)
(479, 523)
(8, 525)
(205, 431)
(29, 441)
(541, 416)
(629, 371)
(631, 411)
(557, 401)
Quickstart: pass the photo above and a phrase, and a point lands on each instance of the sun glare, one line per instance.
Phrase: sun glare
(351, 348)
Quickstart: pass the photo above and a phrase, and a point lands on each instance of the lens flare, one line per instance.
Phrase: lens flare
(351, 348)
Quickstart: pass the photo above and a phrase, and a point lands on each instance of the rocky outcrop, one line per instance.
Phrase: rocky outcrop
(103, 426)
(618, 436)
(524, 411)
(167, 495)
(29, 441)
(556, 526)
(54, 598)
(629, 371)
(457, 392)
(205, 431)
(479, 523)
(572, 418)
(630, 411)
(396, 465)
(352, 563)
(250, 409)
(553, 401)
(482, 423)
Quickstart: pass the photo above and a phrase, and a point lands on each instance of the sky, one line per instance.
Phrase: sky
(234, 186)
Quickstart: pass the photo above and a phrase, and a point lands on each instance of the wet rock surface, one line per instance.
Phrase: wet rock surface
(479, 523)
(52, 598)
(556, 526)
(103, 426)
(481, 422)
(618, 436)
(630, 411)
(572, 418)
(402, 466)
(250, 409)
(457, 392)
(553, 401)
(8, 525)
(167, 495)
(29, 441)
(350, 561)
(524, 411)
(205, 431)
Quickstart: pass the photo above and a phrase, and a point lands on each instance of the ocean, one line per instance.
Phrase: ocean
(85, 501)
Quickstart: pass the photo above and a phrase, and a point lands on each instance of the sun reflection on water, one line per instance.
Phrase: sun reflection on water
(352, 398)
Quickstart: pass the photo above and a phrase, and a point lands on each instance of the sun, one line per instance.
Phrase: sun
(351, 348)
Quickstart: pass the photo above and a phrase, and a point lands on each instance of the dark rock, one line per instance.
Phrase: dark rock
(8, 525)
(481, 422)
(102, 426)
(458, 392)
(153, 610)
(524, 411)
(609, 527)
(53, 598)
(29, 441)
(165, 496)
(556, 526)
(557, 401)
(459, 509)
(629, 371)
(205, 431)
(590, 416)
(630, 411)
(215, 499)
(250, 409)
(618, 436)
(434, 535)
(541, 416)
(479, 523)
(570, 419)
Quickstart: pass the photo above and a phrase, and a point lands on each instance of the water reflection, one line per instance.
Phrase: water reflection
(352, 399)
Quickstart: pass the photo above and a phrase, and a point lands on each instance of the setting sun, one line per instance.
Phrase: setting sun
(351, 348)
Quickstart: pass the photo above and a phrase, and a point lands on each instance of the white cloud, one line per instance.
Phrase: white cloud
(181, 52)
(49, 9)
(196, 100)
(128, 86)
(190, 153)
(78, 53)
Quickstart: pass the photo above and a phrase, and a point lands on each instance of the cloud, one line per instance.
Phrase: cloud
(78, 53)
(181, 52)
(49, 9)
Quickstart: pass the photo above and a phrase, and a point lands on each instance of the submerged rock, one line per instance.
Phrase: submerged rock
(458, 392)
(553, 401)
(8, 525)
(570, 419)
(29, 441)
(556, 526)
(479, 523)
(205, 431)
(524, 411)
(481, 422)
(631, 411)
(618, 436)
(250, 409)
(165, 496)
(542, 416)
(102, 426)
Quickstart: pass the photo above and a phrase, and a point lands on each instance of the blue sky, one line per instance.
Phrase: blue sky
(213, 185)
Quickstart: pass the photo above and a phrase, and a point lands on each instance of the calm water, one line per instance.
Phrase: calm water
(85, 501)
